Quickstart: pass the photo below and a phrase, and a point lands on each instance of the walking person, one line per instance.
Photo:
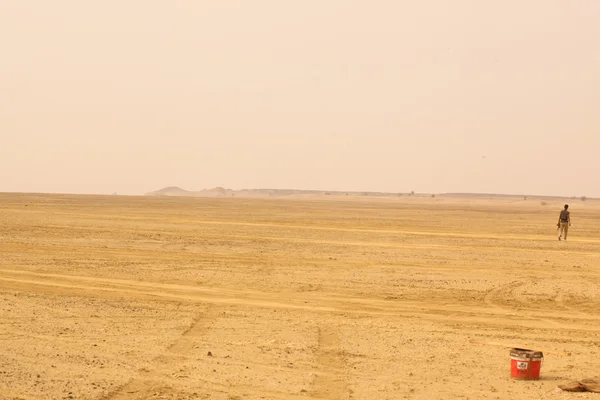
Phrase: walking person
(564, 222)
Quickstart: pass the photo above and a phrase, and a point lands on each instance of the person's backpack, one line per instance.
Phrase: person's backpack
(564, 216)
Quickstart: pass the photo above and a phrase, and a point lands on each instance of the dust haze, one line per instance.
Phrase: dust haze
(434, 96)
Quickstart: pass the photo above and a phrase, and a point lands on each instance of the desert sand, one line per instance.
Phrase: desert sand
(111, 297)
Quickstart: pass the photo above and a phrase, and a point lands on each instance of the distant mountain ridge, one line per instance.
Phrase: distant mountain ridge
(174, 191)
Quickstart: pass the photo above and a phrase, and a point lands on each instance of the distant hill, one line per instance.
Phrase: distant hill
(170, 191)
(175, 191)
(219, 191)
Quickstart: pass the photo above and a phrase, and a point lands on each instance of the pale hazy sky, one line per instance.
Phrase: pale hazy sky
(130, 96)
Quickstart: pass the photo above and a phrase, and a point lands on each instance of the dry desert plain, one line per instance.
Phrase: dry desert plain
(110, 297)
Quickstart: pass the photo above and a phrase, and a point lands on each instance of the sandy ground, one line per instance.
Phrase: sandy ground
(113, 298)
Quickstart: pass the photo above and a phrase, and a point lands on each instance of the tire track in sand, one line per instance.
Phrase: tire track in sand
(330, 382)
(491, 298)
(147, 382)
(572, 311)
(509, 292)
(493, 313)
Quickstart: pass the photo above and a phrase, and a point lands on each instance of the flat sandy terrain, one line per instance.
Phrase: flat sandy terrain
(113, 298)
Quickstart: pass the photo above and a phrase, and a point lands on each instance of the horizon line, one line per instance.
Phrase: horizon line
(313, 191)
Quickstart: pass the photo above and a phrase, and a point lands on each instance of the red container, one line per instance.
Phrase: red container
(525, 364)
